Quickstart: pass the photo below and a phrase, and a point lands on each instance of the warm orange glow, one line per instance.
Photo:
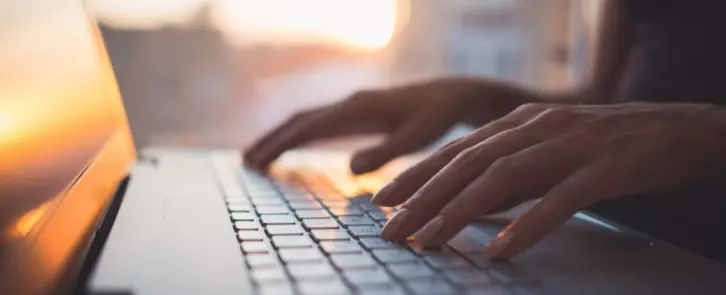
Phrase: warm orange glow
(371, 182)
(26, 223)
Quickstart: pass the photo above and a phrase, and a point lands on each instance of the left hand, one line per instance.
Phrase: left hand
(574, 155)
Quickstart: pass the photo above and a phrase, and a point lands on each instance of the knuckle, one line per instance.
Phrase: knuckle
(557, 113)
(452, 148)
(555, 117)
(504, 123)
(466, 155)
(529, 108)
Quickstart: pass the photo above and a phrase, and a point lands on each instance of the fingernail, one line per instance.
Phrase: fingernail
(496, 247)
(430, 231)
(394, 224)
(384, 193)
(360, 164)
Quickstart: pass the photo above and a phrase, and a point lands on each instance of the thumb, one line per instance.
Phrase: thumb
(423, 129)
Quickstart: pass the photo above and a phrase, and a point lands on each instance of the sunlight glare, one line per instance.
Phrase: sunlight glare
(363, 24)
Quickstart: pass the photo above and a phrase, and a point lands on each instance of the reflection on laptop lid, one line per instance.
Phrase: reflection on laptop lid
(64, 140)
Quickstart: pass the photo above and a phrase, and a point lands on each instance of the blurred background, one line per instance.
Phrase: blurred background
(222, 72)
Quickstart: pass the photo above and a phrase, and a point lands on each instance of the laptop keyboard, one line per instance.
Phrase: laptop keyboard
(300, 235)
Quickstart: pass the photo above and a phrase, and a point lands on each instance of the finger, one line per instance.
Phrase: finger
(581, 189)
(359, 114)
(254, 152)
(445, 184)
(424, 128)
(509, 177)
(409, 181)
(467, 166)
(292, 133)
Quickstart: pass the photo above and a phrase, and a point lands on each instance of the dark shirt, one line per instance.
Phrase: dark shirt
(679, 52)
(679, 55)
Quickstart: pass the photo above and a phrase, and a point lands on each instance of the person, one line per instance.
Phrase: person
(647, 122)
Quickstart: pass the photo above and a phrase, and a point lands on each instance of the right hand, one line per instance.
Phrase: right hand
(412, 116)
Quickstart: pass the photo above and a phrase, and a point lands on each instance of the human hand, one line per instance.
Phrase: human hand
(570, 156)
(413, 116)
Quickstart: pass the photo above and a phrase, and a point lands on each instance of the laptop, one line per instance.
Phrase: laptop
(82, 212)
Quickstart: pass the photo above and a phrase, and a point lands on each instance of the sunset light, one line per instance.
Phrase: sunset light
(355, 24)
(365, 24)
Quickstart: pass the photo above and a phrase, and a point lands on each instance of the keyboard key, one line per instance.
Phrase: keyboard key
(330, 235)
(389, 256)
(311, 224)
(297, 194)
(411, 271)
(305, 205)
(292, 189)
(447, 262)
(378, 243)
(255, 247)
(266, 202)
(322, 288)
(292, 241)
(479, 260)
(386, 289)
(311, 271)
(241, 216)
(261, 260)
(338, 203)
(356, 220)
(379, 216)
(278, 288)
(249, 235)
(491, 290)
(299, 198)
(364, 231)
(262, 193)
(312, 213)
(268, 274)
(371, 209)
(363, 277)
(277, 219)
(346, 261)
(272, 210)
(300, 255)
(509, 274)
(465, 245)
(340, 247)
(424, 251)
(278, 230)
(468, 277)
(346, 212)
(330, 196)
(269, 193)
(435, 286)
(241, 225)
(243, 208)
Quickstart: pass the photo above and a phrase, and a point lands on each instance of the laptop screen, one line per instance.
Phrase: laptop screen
(59, 106)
